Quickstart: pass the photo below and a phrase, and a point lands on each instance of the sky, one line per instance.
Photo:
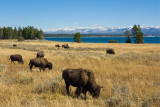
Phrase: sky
(55, 14)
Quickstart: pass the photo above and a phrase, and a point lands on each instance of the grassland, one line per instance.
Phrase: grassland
(131, 77)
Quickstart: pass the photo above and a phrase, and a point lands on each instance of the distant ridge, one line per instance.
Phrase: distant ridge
(103, 30)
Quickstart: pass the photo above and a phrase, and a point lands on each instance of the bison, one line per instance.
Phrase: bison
(16, 57)
(40, 54)
(14, 45)
(42, 63)
(57, 46)
(110, 51)
(65, 46)
(83, 79)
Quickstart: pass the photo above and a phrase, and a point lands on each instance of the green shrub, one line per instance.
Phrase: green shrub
(2, 67)
(20, 38)
(126, 104)
(113, 41)
(114, 101)
(50, 85)
(26, 80)
(147, 103)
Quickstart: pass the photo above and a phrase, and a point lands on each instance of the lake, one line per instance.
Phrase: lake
(102, 39)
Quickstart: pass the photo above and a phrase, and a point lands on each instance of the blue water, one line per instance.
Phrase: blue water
(102, 39)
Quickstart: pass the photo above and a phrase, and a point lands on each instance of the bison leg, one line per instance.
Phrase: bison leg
(84, 92)
(78, 91)
(12, 61)
(40, 69)
(31, 67)
(67, 88)
(43, 68)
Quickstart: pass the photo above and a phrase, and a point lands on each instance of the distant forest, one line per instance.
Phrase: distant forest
(83, 35)
(26, 32)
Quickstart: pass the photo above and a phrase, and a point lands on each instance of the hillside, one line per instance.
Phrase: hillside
(103, 31)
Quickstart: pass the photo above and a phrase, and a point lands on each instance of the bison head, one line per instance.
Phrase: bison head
(49, 65)
(96, 91)
(21, 61)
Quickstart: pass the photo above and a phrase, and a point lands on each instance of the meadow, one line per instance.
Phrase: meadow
(130, 78)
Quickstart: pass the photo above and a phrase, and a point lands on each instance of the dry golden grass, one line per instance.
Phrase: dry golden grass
(131, 77)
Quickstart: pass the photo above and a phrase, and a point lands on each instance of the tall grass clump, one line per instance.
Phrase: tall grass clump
(147, 102)
(52, 85)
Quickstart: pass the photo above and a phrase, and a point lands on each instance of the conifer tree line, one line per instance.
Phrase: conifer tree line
(26, 32)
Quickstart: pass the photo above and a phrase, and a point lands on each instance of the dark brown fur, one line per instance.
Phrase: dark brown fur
(42, 63)
(16, 57)
(83, 79)
(57, 46)
(110, 51)
(40, 54)
(14, 45)
(65, 46)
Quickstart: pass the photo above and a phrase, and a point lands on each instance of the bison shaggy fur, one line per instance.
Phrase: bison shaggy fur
(16, 57)
(40, 54)
(14, 45)
(110, 51)
(65, 46)
(57, 45)
(42, 63)
(83, 79)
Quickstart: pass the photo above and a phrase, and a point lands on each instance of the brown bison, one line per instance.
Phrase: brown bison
(110, 51)
(40, 54)
(65, 46)
(57, 46)
(83, 79)
(14, 45)
(16, 57)
(42, 63)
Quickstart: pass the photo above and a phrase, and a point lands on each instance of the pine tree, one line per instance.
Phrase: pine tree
(1, 33)
(15, 33)
(128, 34)
(9, 33)
(137, 34)
(20, 32)
(77, 37)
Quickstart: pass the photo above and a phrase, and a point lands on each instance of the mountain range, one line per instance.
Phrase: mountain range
(155, 31)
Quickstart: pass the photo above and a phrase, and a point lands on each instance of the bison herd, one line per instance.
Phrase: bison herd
(83, 79)
(63, 46)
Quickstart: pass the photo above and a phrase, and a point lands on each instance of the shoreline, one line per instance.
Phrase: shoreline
(93, 36)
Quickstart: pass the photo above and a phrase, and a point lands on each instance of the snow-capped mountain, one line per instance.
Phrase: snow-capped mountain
(103, 30)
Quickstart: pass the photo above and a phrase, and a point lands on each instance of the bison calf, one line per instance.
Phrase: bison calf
(110, 51)
(83, 79)
(16, 57)
(40, 54)
(42, 63)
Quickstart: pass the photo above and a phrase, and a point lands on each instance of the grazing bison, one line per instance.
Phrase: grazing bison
(65, 46)
(14, 45)
(83, 79)
(16, 57)
(110, 51)
(57, 46)
(40, 54)
(42, 63)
